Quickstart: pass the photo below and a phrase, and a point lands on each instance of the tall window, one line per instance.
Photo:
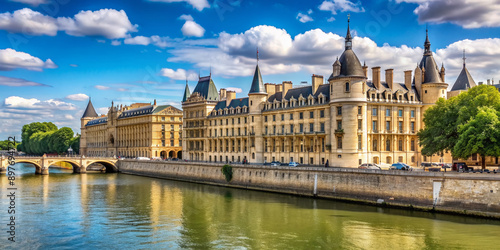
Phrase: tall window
(301, 128)
(360, 124)
(359, 142)
(291, 116)
(274, 118)
(374, 112)
(400, 126)
(301, 115)
(291, 128)
(400, 145)
(339, 110)
(400, 113)
(388, 126)
(311, 114)
(359, 110)
(412, 145)
(322, 127)
(265, 118)
(347, 87)
(339, 142)
(375, 145)
(412, 126)
(322, 113)
(388, 145)
(388, 112)
(282, 117)
(311, 127)
(412, 113)
(339, 124)
(374, 126)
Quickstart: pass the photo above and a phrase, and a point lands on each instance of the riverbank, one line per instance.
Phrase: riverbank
(459, 193)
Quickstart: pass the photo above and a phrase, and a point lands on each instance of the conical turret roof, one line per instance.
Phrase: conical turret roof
(257, 83)
(90, 111)
(187, 93)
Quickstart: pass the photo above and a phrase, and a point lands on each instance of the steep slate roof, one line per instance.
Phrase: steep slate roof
(97, 121)
(464, 81)
(239, 102)
(187, 93)
(431, 74)
(207, 89)
(396, 87)
(137, 112)
(325, 89)
(89, 111)
(257, 83)
(296, 92)
(349, 62)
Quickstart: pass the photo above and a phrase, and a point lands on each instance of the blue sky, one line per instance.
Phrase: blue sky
(54, 54)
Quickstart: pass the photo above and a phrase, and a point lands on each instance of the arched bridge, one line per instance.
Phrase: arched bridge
(79, 163)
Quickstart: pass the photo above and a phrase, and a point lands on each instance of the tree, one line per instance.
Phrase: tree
(480, 135)
(445, 122)
(61, 139)
(29, 129)
(75, 144)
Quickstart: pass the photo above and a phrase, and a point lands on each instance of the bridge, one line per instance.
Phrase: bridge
(79, 163)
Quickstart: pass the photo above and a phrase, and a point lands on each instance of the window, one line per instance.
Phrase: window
(163, 119)
(301, 115)
(274, 118)
(265, 130)
(360, 146)
(400, 145)
(412, 114)
(388, 126)
(388, 145)
(301, 128)
(339, 142)
(374, 126)
(252, 118)
(412, 126)
(322, 113)
(360, 124)
(375, 148)
(359, 110)
(245, 120)
(347, 87)
(239, 120)
(322, 127)
(232, 121)
(311, 127)
(374, 112)
(227, 121)
(172, 143)
(291, 116)
(282, 129)
(412, 145)
(291, 128)
(311, 114)
(339, 124)
(400, 126)
(388, 112)
(400, 113)
(274, 129)
(339, 110)
(282, 117)
(413, 157)
(265, 118)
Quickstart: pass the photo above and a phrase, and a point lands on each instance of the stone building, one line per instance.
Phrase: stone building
(138, 130)
(347, 120)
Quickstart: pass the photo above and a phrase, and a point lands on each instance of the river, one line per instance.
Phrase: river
(117, 211)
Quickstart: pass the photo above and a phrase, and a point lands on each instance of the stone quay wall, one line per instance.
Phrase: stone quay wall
(464, 193)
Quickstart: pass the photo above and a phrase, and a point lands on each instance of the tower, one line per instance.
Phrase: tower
(347, 96)
(257, 96)
(87, 116)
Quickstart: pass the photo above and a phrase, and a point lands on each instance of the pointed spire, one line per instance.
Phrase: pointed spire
(187, 93)
(257, 83)
(427, 44)
(348, 37)
(257, 55)
(464, 58)
(89, 111)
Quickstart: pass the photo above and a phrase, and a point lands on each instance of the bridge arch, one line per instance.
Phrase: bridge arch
(110, 166)
(37, 165)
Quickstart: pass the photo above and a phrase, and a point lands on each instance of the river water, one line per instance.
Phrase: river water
(117, 211)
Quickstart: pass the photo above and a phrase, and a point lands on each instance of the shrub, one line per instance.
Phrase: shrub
(227, 171)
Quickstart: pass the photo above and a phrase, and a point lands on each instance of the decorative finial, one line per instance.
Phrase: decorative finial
(464, 58)
(210, 69)
(348, 17)
(257, 55)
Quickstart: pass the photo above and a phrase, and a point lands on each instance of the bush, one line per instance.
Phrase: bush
(227, 171)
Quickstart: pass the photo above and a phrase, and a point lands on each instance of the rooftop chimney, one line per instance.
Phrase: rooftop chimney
(389, 78)
(408, 79)
(230, 95)
(376, 77)
(222, 94)
(316, 81)
(286, 86)
(270, 88)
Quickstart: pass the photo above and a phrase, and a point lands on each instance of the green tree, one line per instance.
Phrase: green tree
(29, 129)
(61, 139)
(75, 144)
(445, 122)
(480, 135)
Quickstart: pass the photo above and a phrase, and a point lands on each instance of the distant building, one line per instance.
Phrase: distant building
(139, 130)
(347, 121)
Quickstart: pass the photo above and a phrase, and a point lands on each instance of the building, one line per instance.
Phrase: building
(345, 121)
(138, 130)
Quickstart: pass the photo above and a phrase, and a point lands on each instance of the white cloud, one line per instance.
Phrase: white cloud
(116, 43)
(303, 18)
(341, 5)
(466, 13)
(331, 19)
(29, 22)
(103, 110)
(18, 82)
(78, 97)
(237, 90)
(16, 102)
(34, 3)
(158, 41)
(107, 23)
(179, 74)
(309, 11)
(190, 27)
(100, 87)
(11, 59)
(74, 65)
(197, 4)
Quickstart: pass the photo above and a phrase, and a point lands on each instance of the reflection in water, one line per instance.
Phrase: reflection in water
(65, 210)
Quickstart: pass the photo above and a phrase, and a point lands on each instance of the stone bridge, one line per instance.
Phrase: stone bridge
(79, 163)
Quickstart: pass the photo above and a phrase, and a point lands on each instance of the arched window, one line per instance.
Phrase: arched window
(347, 87)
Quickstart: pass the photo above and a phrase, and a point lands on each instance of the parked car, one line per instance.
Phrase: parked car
(275, 163)
(461, 167)
(369, 166)
(400, 166)
(293, 164)
(143, 158)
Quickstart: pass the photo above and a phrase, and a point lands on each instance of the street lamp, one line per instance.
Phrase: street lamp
(70, 151)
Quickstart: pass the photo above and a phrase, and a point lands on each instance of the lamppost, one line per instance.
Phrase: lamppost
(70, 151)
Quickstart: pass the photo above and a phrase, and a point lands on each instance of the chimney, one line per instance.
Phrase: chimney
(389, 78)
(278, 88)
(365, 69)
(222, 94)
(488, 82)
(480, 83)
(286, 86)
(442, 73)
(316, 81)
(418, 80)
(155, 102)
(408, 79)
(270, 88)
(230, 95)
(376, 77)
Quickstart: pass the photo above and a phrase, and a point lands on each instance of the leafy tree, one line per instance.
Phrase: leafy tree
(480, 135)
(29, 129)
(75, 144)
(61, 139)
(445, 122)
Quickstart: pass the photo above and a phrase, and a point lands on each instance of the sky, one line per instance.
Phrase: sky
(56, 54)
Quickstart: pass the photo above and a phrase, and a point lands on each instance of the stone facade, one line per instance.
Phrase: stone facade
(345, 121)
(139, 130)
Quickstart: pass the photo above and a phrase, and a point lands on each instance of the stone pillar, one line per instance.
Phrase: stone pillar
(38, 171)
(44, 171)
